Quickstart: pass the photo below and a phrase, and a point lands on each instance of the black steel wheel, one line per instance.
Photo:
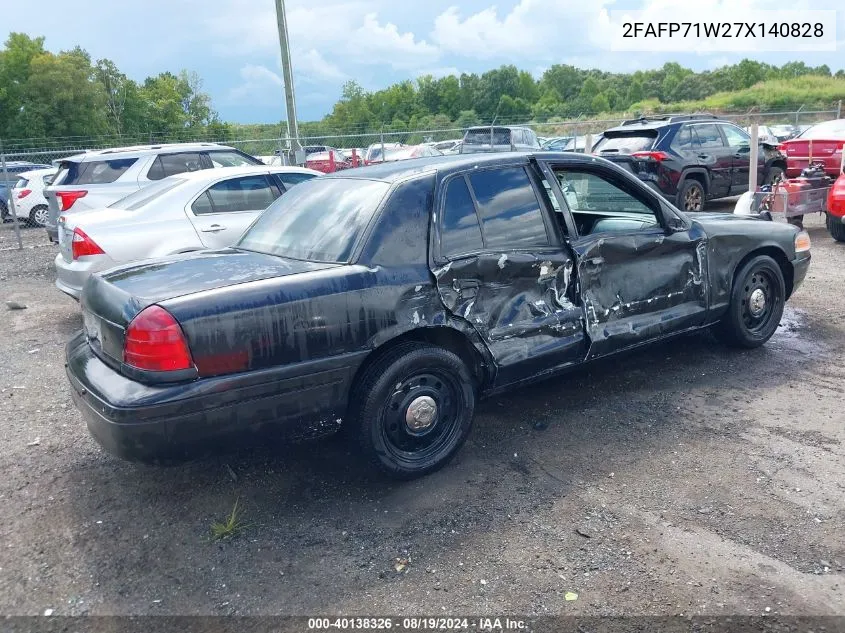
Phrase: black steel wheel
(691, 195)
(757, 302)
(836, 228)
(412, 409)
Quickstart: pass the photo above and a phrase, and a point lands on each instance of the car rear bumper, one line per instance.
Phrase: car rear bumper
(161, 423)
(71, 276)
(800, 266)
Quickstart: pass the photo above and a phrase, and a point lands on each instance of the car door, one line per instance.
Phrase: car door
(712, 152)
(641, 269)
(740, 144)
(224, 210)
(501, 267)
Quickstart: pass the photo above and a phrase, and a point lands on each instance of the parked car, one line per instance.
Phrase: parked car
(783, 132)
(186, 212)
(328, 161)
(821, 143)
(14, 168)
(28, 192)
(374, 151)
(556, 144)
(836, 209)
(499, 139)
(404, 152)
(689, 159)
(579, 143)
(97, 178)
(394, 296)
(765, 134)
(451, 146)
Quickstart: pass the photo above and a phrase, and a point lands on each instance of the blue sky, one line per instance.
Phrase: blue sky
(233, 45)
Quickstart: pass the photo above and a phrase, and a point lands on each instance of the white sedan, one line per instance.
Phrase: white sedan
(28, 192)
(187, 212)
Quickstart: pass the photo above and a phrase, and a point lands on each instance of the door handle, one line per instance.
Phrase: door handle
(704, 156)
(214, 228)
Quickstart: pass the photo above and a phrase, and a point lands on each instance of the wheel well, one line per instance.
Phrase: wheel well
(783, 263)
(696, 175)
(444, 337)
(778, 163)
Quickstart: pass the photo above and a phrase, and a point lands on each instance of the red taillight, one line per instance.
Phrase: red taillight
(155, 342)
(67, 198)
(82, 245)
(783, 147)
(656, 156)
(24, 193)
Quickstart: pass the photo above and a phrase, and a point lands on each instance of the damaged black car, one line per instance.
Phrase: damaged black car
(393, 297)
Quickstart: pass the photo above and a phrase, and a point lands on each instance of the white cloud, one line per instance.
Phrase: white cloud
(313, 66)
(533, 29)
(378, 44)
(258, 85)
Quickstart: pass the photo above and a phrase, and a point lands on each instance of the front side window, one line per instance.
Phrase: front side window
(509, 209)
(736, 138)
(171, 164)
(231, 158)
(319, 220)
(708, 136)
(587, 192)
(460, 232)
(248, 193)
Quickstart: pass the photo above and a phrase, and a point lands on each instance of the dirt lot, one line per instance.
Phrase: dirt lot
(684, 479)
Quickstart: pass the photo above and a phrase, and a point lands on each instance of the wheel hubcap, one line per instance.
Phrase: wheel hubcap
(41, 216)
(693, 199)
(421, 414)
(757, 302)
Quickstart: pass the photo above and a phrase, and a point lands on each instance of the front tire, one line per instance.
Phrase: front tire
(413, 409)
(775, 174)
(691, 196)
(836, 228)
(38, 216)
(756, 307)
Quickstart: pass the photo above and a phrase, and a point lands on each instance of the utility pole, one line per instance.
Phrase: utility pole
(287, 77)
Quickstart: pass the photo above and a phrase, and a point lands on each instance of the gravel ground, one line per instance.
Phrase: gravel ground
(686, 478)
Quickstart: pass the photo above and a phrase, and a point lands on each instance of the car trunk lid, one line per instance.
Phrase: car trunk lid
(111, 300)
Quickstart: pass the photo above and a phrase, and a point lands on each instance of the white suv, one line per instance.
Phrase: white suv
(97, 178)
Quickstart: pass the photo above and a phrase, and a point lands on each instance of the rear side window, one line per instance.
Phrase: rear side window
(685, 140)
(96, 172)
(171, 164)
(21, 183)
(509, 209)
(291, 179)
(627, 144)
(249, 193)
(708, 136)
(460, 231)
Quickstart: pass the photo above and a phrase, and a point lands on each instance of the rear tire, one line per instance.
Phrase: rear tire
(757, 301)
(836, 228)
(38, 216)
(775, 174)
(412, 409)
(691, 196)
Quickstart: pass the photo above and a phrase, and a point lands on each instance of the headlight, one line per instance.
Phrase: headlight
(802, 242)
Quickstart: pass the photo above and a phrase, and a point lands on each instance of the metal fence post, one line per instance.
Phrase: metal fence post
(839, 109)
(753, 159)
(11, 205)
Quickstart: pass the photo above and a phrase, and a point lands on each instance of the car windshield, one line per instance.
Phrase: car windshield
(319, 220)
(135, 201)
(826, 130)
(627, 143)
(482, 136)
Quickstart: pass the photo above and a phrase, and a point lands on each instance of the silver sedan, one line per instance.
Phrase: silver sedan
(186, 212)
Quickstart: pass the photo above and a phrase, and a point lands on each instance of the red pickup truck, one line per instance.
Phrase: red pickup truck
(820, 143)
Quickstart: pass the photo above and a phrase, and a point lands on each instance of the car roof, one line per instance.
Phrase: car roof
(38, 172)
(242, 170)
(656, 122)
(133, 151)
(393, 171)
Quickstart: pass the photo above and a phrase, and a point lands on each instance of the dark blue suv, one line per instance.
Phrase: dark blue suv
(689, 159)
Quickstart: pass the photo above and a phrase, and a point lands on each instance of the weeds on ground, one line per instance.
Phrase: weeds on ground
(232, 526)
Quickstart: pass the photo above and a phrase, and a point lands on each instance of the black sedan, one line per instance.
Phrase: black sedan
(395, 297)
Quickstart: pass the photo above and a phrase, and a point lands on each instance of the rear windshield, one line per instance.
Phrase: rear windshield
(831, 130)
(500, 136)
(627, 143)
(135, 201)
(319, 220)
(21, 183)
(95, 172)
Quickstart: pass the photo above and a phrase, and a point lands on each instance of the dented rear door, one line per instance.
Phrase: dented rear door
(500, 267)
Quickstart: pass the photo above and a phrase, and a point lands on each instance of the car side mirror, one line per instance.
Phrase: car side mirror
(675, 224)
